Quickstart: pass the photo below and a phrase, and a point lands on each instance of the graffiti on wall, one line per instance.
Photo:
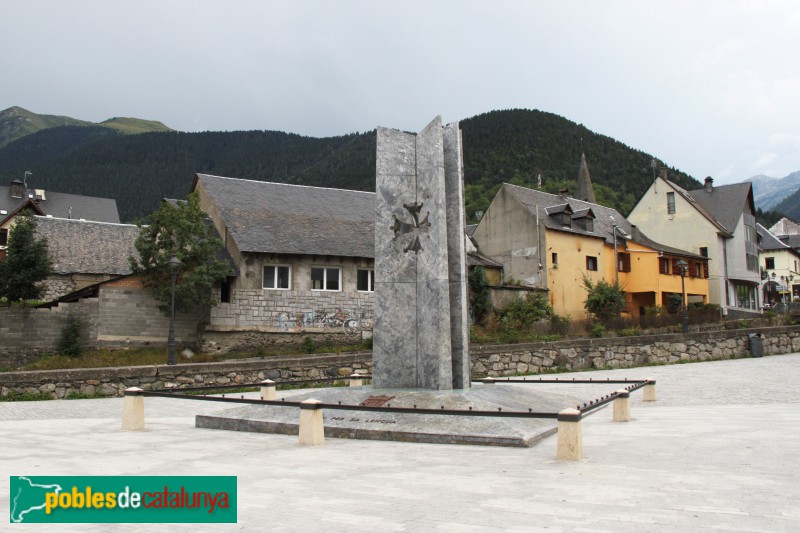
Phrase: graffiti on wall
(350, 321)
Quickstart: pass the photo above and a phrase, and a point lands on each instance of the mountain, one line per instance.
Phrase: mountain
(17, 123)
(768, 192)
(515, 146)
(790, 206)
(134, 125)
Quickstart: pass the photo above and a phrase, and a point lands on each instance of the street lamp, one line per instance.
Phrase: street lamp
(174, 265)
(684, 311)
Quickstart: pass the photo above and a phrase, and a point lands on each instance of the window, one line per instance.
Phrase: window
(566, 220)
(325, 279)
(745, 296)
(704, 251)
(705, 269)
(225, 290)
(365, 281)
(676, 269)
(752, 263)
(624, 262)
(277, 277)
(750, 233)
(554, 259)
(663, 265)
(670, 203)
(3, 237)
(769, 263)
(591, 263)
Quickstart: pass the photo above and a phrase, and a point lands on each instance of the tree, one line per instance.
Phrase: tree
(604, 300)
(27, 262)
(181, 230)
(479, 294)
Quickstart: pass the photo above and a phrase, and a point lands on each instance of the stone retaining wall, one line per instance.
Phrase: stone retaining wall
(503, 360)
(114, 381)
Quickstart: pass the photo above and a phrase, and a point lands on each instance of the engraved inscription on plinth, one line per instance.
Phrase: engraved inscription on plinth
(420, 335)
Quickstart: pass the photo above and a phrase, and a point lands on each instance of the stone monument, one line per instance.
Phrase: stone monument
(420, 331)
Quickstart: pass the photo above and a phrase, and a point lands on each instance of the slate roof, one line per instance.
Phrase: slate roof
(701, 209)
(293, 219)
(793, 241)
(58, 205)
(476, 259)
(603, 223)
(554, 203)
(769, 242)
(88, 247)
(726, 203)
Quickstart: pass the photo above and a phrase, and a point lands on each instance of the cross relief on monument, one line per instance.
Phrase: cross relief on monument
(416, 228)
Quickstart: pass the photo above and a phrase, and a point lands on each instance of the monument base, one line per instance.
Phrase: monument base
(439, 429)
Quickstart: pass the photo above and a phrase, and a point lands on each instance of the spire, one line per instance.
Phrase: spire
(585, 190)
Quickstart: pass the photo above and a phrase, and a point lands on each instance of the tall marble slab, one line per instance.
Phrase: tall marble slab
(420, 331)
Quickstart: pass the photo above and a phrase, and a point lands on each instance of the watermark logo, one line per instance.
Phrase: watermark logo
(116, 499)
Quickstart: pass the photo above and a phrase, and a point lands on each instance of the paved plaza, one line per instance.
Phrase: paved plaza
(717, 451)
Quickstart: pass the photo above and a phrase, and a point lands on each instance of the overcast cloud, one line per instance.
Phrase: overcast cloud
(711, 87)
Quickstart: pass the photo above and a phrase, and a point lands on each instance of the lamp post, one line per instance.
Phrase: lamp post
(174, 264)
(684, 309)
(616, 257)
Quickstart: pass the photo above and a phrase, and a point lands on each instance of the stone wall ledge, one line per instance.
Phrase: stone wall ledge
(638, 340)
(169, 371)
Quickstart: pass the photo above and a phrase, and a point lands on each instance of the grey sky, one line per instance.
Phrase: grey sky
(711, 87)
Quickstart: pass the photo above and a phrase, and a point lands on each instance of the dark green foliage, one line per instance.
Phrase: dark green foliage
(26, 264)
(769, 218)
(523, 312)
(790, 206)
(479, 300)
(501, 146)
(604, 300)
(182, 231)
(674, 302)
(559, 325)
(308, 346)
(70, 342)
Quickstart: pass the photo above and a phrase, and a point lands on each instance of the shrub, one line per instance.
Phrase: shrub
(480, 302)
(523, 312)
(559, 325)
(598, 330)
(674, 303)
(70, 342)
(604, 300)
(308, 346)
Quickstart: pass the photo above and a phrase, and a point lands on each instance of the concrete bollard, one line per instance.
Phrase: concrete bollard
(312, 427)
(622, 406)
(133, 410)
(570, 437)
(355, 379)
(267, 389)
(649, 392)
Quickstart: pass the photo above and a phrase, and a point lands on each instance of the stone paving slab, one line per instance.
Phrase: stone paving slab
(716, 452)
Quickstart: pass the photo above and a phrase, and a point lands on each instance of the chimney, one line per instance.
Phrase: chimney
(709, 184)
(662, 173)
(17, 189)
(563, 192)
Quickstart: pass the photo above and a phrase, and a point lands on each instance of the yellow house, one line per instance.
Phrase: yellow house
(552, 242)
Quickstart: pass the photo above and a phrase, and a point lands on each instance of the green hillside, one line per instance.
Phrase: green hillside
(513, 145)
(131, 126)
(790, 206)
(16, 122)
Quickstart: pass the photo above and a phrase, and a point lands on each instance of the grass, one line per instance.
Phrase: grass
(26, 397)
(158, 356)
